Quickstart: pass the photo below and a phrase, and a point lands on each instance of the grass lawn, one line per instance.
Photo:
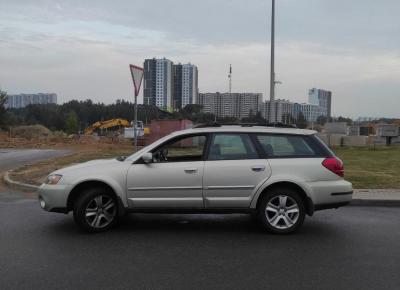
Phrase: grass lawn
(369, 168)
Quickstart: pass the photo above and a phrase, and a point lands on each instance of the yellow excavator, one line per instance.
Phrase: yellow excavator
(107, 124)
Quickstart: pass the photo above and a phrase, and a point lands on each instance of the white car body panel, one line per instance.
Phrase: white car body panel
(213, 184)
(166, 185)
(232, 183)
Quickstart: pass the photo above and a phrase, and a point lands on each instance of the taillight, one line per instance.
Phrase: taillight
(335, 165)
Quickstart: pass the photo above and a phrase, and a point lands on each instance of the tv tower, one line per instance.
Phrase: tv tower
(230, 79)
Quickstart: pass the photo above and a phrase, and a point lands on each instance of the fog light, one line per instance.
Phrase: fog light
(42, 203)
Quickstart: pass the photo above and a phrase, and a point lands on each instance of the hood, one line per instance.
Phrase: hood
(100, 163)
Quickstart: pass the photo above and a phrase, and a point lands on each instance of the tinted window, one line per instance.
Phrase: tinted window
(285, 145)
(232, 147)
(182, 149)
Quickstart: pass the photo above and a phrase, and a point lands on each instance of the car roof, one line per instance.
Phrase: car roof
(246, 129)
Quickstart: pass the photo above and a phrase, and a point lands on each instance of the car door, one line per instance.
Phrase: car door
(173, 180)
(233, 171)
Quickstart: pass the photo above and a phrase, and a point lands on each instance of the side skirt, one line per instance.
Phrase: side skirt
(192, 210)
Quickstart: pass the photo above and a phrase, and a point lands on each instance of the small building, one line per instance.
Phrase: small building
(335, 128)
(354, 131)
(387, 130)
(161, 128)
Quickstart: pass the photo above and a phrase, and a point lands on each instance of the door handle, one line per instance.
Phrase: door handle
(258, 168)
(190, 170)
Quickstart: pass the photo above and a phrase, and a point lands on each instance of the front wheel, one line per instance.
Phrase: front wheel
(281, 211)
(96, 210)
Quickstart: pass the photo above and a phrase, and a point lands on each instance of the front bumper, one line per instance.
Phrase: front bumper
(53, 197)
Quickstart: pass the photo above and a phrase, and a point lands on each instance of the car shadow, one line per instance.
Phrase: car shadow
(195, 224)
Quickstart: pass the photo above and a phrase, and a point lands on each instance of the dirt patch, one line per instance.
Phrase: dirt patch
(29, 132)
(36, 173)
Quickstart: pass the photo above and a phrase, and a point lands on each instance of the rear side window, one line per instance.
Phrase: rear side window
(286, 146)
(232, 147)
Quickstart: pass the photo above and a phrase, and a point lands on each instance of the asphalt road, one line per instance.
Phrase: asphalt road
(350, 248)
(13, 158)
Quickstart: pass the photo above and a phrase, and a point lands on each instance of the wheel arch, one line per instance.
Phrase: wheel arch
(92, 183)
(308, 203)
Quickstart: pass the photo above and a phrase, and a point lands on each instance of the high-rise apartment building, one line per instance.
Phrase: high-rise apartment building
(23, 100)
(283, 109)
(185, 85)
(311, 112)
(238, 105)
(158, 83)
(169, 86)
(321, 98)
(319, 105)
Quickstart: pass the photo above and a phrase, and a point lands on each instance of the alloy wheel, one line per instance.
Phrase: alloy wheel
(100, 211)
(282, 212)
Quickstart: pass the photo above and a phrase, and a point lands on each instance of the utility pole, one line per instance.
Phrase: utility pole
(272, 73)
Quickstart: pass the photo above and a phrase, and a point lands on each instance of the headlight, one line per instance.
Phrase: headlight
(53, 178)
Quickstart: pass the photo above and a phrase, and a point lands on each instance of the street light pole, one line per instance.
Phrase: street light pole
(272, 73)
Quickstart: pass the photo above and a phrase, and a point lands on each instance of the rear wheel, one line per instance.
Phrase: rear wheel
(281, 210)
(96, 210)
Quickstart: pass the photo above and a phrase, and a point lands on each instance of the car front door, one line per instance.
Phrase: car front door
(173, 180)
(233, 171)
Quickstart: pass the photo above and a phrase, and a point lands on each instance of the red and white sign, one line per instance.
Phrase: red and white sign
(137, 77)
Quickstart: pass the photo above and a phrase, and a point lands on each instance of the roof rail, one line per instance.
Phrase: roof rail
(206, 125)
(214, 124)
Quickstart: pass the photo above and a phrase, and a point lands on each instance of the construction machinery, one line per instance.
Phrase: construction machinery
(101, 125)
(129, 133)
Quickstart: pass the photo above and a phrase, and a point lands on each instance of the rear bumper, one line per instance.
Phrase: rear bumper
(342, 193)
(330, 192)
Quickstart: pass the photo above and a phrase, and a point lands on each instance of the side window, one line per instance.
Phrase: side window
(181, 150)
(285, 146)
(232, 147)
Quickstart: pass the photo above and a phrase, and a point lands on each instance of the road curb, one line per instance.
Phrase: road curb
(375, 202)
(16, 184)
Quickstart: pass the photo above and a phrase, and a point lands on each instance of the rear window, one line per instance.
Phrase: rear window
(322, 147)
(287, 146)
(232, 147)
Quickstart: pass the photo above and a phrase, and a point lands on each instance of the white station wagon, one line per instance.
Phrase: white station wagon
(278, 174)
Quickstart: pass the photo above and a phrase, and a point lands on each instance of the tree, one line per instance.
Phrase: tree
(301, 121)
(287, 118)
(257, 118)
(72, 123)
(191, 109)
(3, 99)
(347, 120)
(321, 120)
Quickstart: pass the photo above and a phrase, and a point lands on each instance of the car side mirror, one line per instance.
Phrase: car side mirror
(147, 157)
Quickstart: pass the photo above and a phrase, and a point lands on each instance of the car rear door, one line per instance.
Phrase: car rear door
(233, 171)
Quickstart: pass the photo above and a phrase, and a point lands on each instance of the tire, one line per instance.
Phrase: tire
(96, 210)
(281, 210)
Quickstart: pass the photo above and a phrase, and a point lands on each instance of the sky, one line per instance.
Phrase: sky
(82, 49)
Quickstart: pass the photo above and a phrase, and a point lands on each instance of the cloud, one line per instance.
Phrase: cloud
(81, 49)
